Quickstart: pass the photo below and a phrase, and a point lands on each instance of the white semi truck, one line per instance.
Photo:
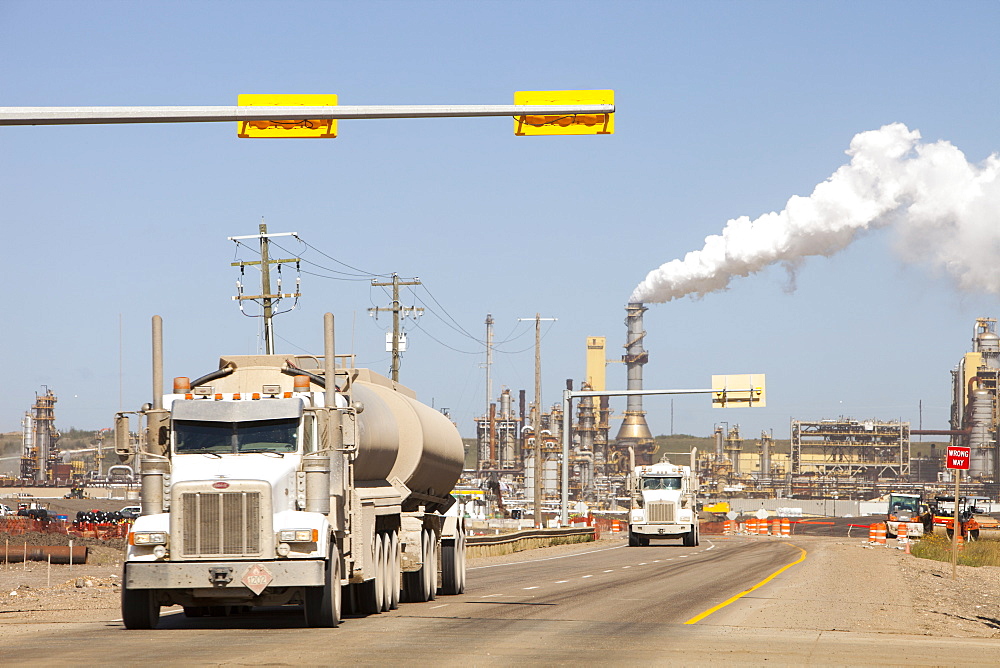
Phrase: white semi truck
(664, 503)
(283, 479)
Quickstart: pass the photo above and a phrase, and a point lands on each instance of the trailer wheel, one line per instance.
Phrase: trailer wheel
(195, 611)
(450, 578)
(139, 608)
(395, 566)
(432, 565)
(371, 593)
(421, 586)
(387, 563)
(323, 604)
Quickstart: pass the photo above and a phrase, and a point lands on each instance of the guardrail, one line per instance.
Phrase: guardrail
(507, 543)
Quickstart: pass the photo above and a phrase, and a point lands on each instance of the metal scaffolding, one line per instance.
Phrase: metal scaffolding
(853, 448)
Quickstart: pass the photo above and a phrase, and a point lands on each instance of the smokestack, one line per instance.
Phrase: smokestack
(634, 432)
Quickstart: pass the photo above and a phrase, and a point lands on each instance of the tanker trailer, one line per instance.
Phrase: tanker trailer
(263, 483)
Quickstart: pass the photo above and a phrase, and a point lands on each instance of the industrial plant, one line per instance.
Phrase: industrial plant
(825, 457)
(42, 462)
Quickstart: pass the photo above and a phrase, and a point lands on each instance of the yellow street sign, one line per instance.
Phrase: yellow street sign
(738, 391)
(289, 128)
(567, 124)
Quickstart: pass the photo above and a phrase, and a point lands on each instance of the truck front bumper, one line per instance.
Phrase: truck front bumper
(660, 529)
(221, 575)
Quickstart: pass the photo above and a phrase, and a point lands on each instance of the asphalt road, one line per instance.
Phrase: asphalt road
(603, 603)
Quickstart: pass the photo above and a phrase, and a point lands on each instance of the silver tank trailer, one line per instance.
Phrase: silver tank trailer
(398, 437)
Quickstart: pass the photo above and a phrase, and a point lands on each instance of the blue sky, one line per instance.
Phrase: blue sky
(725, 109)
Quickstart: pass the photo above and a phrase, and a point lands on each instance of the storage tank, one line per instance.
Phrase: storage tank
(983, 447)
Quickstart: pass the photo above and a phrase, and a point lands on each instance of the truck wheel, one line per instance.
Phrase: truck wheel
(395, 564)
(139, 608)
(689, 539)
(432, 544)
(323, 604)
(974, 534)
(420, 586)
(633, 540)
(371, 593)
(450, 566)
(387, 565)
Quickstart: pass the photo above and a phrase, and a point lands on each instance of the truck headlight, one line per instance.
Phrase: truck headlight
(298, 536)
(147, 538)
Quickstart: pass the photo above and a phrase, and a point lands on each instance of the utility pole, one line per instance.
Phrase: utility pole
(536, 421)
(396, 311)
(488, 432)
(267, 299)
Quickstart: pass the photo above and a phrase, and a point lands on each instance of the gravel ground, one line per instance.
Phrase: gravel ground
(848, 585)
(843, 585)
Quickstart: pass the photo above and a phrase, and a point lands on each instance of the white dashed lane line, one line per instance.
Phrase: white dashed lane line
(610, 570)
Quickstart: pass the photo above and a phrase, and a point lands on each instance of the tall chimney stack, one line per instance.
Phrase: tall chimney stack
(634, 431)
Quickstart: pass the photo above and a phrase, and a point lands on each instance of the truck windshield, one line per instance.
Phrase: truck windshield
(661, 483)
(192, 437)
(897, 503)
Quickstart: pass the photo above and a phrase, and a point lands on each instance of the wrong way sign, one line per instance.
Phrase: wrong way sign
(958, 457)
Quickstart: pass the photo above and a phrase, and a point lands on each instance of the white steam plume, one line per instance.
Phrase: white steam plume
(944, 210)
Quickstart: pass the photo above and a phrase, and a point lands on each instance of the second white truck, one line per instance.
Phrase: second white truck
(664, 503)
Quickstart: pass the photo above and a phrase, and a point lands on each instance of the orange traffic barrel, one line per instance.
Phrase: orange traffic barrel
(762, 527)
(786, 526)
(872, 533)
(961, 541)
(775, 527)
(880, 533)
(901, 531)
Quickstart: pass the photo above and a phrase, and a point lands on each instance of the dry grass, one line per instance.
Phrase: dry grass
(937, 546)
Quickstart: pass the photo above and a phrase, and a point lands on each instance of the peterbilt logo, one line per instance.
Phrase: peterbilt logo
(220, 485)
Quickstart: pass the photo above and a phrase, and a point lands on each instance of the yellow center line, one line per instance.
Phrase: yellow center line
(698, 618)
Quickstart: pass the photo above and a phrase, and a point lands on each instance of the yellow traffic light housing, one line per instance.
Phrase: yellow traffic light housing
(739, 390)
(291, 128)
(568, 124)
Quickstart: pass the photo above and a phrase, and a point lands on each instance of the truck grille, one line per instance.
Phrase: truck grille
(214, 524)
(661, 511)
